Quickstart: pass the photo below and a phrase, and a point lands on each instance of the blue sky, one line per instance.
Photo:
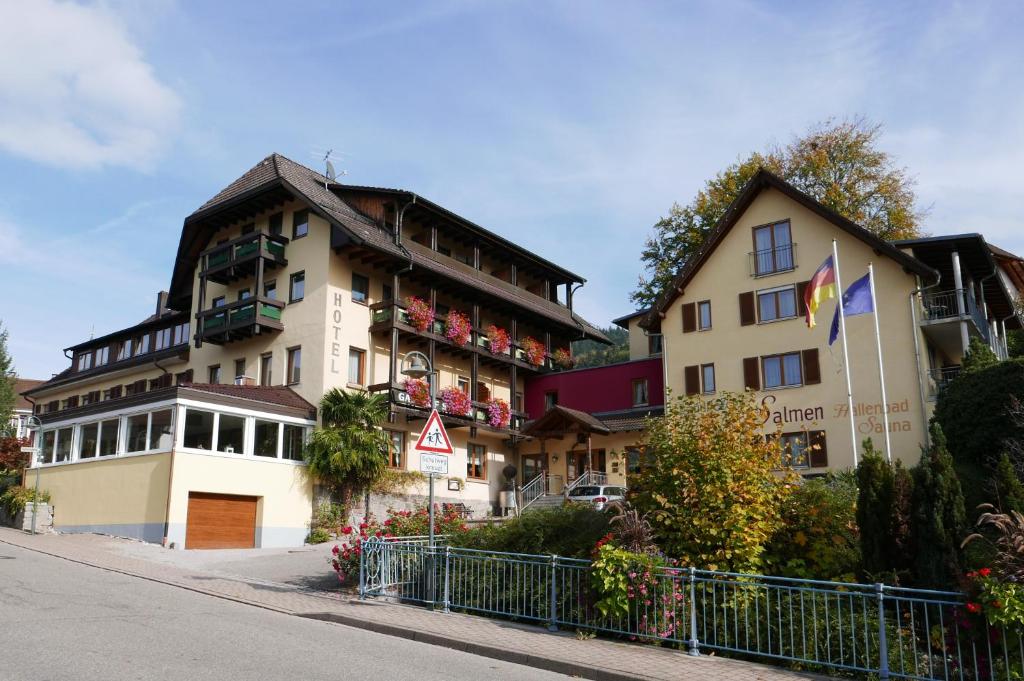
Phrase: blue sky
(569, 127)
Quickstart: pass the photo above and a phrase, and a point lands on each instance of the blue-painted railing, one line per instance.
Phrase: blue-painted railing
(865, 629)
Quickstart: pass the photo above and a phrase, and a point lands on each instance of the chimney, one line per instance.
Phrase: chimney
(161, 303)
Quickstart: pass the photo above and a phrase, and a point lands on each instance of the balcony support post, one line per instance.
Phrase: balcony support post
(515, 274)
(961, 301)
(199, 309)
(474, 390)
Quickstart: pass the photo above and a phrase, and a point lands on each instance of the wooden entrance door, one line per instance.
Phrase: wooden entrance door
(533, 465)
(220, 521)
(576, 463)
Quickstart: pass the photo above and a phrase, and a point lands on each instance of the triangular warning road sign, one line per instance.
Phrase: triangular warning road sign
(434, 438)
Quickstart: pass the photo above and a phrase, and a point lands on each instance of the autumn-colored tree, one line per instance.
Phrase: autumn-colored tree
(837, 162)
(710, 485)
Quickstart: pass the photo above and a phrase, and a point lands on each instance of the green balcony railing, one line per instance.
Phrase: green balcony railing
(270, 311)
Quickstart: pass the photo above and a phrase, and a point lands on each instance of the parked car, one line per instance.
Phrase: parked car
(598, 495)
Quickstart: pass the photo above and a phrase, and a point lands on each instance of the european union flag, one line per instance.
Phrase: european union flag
(856, 300)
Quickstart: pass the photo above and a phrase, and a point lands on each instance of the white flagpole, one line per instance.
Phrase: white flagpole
(846, 356)
(881, 371)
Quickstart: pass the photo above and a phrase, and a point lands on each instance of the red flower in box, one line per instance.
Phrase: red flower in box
(418, 390)
(499, 414)
(563, 358)
(421, 315)
(456, 402)
(457, 328)
(533, 349)
(499, 340)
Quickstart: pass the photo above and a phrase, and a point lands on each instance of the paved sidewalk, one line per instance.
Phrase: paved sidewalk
(523, 644)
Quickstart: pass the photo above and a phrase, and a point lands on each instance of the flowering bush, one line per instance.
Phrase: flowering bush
(628, 586)
(345, 560)
(421, 315)
(455, 401)
(418, 390)
(457, 328)
(563, 358)
(1000, 602)
(499, 413)
(533, 349)
(498, 339)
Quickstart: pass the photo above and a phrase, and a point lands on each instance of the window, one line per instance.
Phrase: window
(654, 344)
(294, 365)
(795, 449)
(231, 434)
(266, 369)
(85, 361)
(163, 339)
(781, 371)
(108, 437)
(639, 392)
(138, 433)
(142, 345)
(707, 378)
(294, 439)
(297, 287)
(360, 288)
(773, 249)
(244, 294)
(476, 462)
(265, 442)
(462, 383)
(198, 429)
(387, 293)
(49, 441)
(276, 224)
(124, 350)
(300, 224)
(239, 368)
(161, 434)
(218, 301)
(270, 290)
(776, 304)
(356, 365)
(181, 333)
(633, 456)
(396, 448)
(62, 450)
(704, 315)
(214, 374)
(550, 399)
(87, 439)
(102, 356)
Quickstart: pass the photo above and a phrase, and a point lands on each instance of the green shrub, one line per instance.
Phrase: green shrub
(978, 356)
(1009, 491)
(570, 531)
(875, 482)
(329, 517)
(318, 535)
(15, 498)
(938, 519)
(818, 538)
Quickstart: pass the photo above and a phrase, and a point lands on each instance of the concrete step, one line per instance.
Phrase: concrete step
(546, 501)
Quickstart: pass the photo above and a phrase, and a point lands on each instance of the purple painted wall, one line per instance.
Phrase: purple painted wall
(597, 389)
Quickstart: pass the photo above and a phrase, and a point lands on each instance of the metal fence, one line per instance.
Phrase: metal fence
(861, 629)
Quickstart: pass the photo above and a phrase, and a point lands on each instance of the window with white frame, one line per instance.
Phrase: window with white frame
(109, 431)
(198, 429)
(265, 442)
(88, 437)
(137, 426)
(775, 304)
(49, 441)
(151, 431)
(293, 441)
(231, 434)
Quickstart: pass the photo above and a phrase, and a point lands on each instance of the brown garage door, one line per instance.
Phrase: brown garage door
(220, 521)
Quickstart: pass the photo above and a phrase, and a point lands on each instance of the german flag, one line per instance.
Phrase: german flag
(821, 286)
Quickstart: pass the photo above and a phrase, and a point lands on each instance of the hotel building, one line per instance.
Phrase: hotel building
(733, 319)
(188, 427)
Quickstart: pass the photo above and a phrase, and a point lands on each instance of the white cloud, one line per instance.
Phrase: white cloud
(76, 91)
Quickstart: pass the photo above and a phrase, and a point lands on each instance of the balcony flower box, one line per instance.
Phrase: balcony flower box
(418, 390)
(498, 339)
(457, 328)
(499, 413)
(421, 315)
(533, 350)
(562, 358)
(456, 402)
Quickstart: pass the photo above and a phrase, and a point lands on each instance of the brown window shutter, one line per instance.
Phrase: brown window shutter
(751, 373)
(801, 290)
(812, 367)
(72, 401)
(140, 386)
(691, 380)
(748, 315)
(819, 449)
(689, 317)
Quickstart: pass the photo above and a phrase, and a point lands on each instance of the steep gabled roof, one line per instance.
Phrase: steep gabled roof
(758, 183)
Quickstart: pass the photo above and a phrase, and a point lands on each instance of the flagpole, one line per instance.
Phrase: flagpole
(846, 356)
(881, 370)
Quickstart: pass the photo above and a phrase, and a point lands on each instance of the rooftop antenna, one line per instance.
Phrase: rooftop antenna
(329, 172)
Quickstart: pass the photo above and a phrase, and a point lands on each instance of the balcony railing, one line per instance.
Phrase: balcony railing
(236, 259)
(241, 319)
(388, 314)
(772, 260)
(938, 379)
(954, 304)
(478, 415)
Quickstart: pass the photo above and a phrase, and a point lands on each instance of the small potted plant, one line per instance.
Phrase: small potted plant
(421, 315)
(455, 402)
(457, 328)
(499, 413)
(418, 390)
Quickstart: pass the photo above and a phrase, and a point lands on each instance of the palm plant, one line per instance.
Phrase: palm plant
(349, 451)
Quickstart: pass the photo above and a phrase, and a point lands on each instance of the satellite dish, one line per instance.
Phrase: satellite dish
(331, 175)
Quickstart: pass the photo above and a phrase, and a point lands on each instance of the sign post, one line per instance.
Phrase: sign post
(434, 447)
(37, 460)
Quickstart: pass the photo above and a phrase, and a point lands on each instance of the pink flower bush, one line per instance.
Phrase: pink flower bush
(418, 390)
(498, 339)
(499, 413)
(563, 358)
(455, 401)
(421, 315)
(533, 349)
(457, 328)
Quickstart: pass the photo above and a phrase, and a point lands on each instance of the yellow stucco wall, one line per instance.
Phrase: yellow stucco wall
(124, 496)
(285, 494)
(726, 274)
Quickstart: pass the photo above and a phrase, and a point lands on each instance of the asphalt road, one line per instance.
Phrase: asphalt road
(62, 620)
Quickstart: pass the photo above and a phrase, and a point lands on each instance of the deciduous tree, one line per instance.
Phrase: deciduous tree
(7, 396)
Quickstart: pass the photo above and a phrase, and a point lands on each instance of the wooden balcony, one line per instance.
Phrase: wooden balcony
(478, 415)
(389, 315)
(239, 320)
(240, 258)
